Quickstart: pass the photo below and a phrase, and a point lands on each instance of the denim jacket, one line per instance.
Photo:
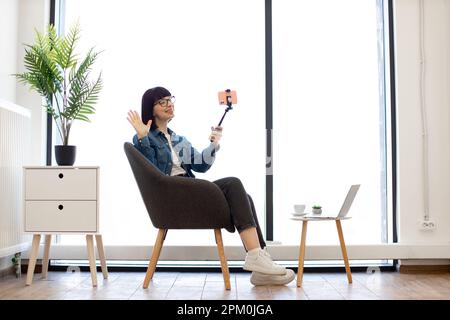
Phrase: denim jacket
(155, 148)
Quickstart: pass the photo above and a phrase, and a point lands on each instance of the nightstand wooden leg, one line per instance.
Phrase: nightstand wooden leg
(101, 253)
(48, 239)
(344, 251)
(301, 258)
(33, 256)
(91, 255)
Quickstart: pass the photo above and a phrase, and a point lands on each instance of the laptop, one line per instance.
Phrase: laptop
(351, 194)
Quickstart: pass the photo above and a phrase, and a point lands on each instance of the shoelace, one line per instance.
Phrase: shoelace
(266, 254)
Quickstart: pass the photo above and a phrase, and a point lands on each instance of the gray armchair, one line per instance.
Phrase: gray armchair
(179, 203)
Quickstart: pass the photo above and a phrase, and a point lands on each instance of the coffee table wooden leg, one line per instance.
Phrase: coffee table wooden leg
(91, 255)
(48, 239)
(344, 250)
(33, 256)
(301, 258)
(101, 253)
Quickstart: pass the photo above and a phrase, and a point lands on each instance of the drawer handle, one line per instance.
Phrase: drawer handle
(60, 175)
(60, 207)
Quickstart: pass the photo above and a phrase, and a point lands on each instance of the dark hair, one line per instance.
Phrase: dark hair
(149, 98)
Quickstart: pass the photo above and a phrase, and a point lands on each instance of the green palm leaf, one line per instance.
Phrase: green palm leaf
(87, 100)
(67, 47)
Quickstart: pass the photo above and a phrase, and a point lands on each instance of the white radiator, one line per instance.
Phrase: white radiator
(15, 125)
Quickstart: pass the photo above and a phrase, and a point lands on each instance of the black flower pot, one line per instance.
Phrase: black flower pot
(65, 155)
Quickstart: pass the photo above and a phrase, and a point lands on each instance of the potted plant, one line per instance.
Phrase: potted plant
(56, 73)
(316, 209)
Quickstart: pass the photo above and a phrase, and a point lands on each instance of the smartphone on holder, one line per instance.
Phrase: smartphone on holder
(224, 96)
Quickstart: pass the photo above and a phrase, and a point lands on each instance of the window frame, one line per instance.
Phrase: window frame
(57, 8)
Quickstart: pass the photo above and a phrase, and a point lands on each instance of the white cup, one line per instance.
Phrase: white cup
(299, 208)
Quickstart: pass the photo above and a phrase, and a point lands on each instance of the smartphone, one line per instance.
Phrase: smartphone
(223, 96)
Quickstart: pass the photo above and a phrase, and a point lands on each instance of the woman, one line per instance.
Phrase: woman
(174, 155)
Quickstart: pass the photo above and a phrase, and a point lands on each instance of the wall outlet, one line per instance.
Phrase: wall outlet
(427, 224)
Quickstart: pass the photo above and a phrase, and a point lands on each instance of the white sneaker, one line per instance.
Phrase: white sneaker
(266, 253)
(261, 279)
(262, 262)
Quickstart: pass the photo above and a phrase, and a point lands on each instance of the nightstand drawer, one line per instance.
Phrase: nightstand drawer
(64, 184)
(64, 216)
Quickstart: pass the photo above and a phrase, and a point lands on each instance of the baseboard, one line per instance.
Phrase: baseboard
(237, 253)
(425, 269)
(24, 267)
(7, 271)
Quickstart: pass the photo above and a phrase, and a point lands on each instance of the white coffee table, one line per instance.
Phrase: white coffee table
(301, 258)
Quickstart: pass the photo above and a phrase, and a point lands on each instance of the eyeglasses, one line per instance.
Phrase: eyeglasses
(165, 102)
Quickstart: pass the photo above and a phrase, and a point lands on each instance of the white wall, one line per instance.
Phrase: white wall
(32, 14)
(410, 170)
(8, 58)
(8, 48)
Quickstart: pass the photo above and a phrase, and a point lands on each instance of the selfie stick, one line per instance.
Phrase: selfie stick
(229, 104)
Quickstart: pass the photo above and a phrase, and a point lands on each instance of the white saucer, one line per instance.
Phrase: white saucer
(296, 214)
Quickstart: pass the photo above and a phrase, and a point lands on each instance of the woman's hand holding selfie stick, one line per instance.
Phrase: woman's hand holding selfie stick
(216, 134)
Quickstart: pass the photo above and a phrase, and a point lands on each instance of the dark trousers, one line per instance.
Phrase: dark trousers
(242, 209)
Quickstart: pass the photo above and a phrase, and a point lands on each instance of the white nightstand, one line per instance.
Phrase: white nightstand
(62, 200)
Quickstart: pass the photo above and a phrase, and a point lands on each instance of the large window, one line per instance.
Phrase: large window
(329, 116)
(195, 49)
(329, 106)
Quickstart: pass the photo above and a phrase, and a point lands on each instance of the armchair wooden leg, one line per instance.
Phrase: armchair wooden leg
(223, 259)
(155, 256)
(344, 250)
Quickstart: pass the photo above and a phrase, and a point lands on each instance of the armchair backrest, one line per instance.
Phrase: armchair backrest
(178, 202)
(147, 176)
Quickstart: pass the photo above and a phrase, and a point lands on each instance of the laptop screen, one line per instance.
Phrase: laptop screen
(348, 200)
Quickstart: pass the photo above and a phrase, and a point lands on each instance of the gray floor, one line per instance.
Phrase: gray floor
(209, 286)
